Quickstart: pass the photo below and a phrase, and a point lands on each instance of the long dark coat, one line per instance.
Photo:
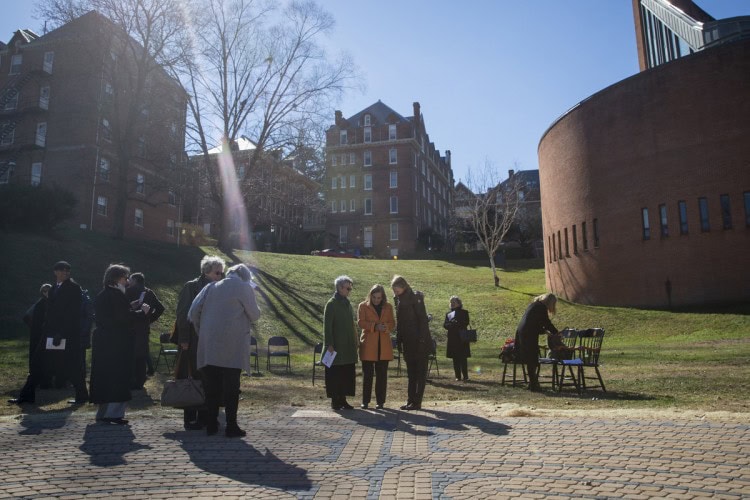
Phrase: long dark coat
(187, 360)
(457, 348)
(413, 330)
(142, 325)
(112, 347)
(535, 322)
(34, 318)
(64, 320)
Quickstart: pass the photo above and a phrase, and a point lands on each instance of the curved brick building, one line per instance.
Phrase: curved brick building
(645, 186)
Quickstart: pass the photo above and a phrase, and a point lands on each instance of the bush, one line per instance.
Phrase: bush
(34, 208)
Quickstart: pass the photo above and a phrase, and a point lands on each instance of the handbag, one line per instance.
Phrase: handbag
(467, 335)
(183, 393)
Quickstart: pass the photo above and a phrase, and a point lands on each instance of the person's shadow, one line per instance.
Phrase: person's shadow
(107, 444)
(235, 459)
(41, 420)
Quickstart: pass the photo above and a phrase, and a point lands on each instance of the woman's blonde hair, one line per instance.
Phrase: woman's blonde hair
(376, 289)
(457, 300)
(400, 282)
(548, 299)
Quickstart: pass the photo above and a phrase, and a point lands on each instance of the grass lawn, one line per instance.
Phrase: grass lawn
(697, 360)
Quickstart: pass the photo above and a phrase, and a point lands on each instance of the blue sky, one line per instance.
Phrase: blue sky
(490, 75)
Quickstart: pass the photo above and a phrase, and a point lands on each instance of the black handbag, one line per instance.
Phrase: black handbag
(467, 335)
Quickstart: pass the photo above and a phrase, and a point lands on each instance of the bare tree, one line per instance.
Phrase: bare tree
(492, 209)
(148, 36)
(246, 76)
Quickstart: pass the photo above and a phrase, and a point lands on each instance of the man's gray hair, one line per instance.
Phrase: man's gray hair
(209, 262)
(242, 271)
(341, 280)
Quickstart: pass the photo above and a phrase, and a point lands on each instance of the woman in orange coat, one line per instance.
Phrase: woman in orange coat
(375, 318)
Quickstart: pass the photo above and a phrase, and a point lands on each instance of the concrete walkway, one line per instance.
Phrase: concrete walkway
(317, 453)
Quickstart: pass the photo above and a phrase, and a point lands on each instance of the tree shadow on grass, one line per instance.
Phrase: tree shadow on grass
(237, 460)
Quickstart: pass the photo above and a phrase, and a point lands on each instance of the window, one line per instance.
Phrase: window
(368, 134)
(703, 209)
(367, 232)
(394, 231)
(106, 130)
(15, 64)
(173, 129)
(140, 184)
(584, 236)
(334, 160)
(343, 235)
(173, 160)
(342, 137)
(596, 233)
(392, 156)
(138, 217)
(352, 181)
(394, 179)
(368, 206)
(333, 206)
(49, 59)
(368, 182)
(416, 183)
(368, 159)
(12, 102)
(101, 205)
(575, 240)
(6, 170)
(9, 135)
(567, 248)
(342, 206)
(391, 132)
(108, 90)
(343, 159)
(726, 212)
(170, 227)
(44, 97)
(682, 209)
(104, 170)
(367, 120)
(394, 204)
(172, 198)
(342, 182)
(746, 196)
(334, 183)
(663, 226)
(352, 158)
(36, 174)
(352, 205)
(41, 134)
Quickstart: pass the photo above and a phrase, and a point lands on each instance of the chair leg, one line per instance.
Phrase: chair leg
(601, 382)
(505, 368)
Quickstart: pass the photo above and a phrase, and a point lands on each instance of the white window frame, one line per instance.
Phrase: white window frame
(36, 173)
(393, 200)
(138, 219)
(367, 236)
(9, 137)
(342, 206)
(170, 227)
(367, 160)
(393, 179)
(334, 182)
(334, 160)
(368, 205)
(368, 134)
(104, 169)
(101, 206)
(343, 137)
(172, 197)
(352, 158)
(41, 134)
(367, 182)
(393, 156)
(391, 132)
(334, 206)
(394, 231)
(12, 103)
(16, 61)
(342, 182)
(44, 93)
(106, 130)
(352, 181)
(140, 184)
(343, 235)
(367, 120)
(352, 205)
(49, 61)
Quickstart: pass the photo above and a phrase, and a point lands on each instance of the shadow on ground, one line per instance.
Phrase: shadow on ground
(107, 444)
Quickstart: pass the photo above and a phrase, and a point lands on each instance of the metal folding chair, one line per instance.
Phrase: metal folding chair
(166, 350)
(278, 347)
(432, 358)
(254, 354)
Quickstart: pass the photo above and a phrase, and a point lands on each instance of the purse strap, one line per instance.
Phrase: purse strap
(182, 354)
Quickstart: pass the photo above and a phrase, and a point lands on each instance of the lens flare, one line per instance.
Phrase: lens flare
(235, 214)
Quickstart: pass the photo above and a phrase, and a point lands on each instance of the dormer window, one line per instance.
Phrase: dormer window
(367, 120)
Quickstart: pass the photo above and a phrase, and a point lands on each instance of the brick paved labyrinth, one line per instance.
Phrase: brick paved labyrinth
(362, 454)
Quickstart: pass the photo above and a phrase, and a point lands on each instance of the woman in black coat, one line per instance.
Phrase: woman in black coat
(413, 338)
(112, 347)
(455, 321)
(535, 322)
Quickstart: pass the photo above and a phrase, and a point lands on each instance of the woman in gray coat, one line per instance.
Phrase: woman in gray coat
(222, 314)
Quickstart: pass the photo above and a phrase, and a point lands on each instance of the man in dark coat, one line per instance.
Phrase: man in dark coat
(535, 322)
(137, 293)
(62, 324)
(212, 269)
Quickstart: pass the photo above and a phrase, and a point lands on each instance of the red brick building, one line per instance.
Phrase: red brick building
(63, 97)
(385, 182)
(645, 185)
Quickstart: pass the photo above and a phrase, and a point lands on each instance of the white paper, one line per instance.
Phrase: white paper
(451, 315)
(328, 358)
(52, 347)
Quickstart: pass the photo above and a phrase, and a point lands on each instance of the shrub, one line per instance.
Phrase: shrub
(34, 208)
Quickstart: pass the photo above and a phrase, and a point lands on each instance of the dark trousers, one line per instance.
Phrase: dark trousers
(222, 383)
(416, 371)
(71, 368)
(380, 370)
(186, 365)
(461, 367)
(532, 370)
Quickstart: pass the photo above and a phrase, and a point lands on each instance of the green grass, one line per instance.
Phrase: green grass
(651, 359)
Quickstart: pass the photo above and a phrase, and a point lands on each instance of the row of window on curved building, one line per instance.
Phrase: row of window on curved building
(725, 207)
(561, 242)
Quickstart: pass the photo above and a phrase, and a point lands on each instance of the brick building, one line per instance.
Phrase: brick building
(646, 184)
(64, 107)
(385, 182)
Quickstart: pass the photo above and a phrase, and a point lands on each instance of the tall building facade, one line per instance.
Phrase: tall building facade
(65, 111)
(385, 182)
(645, 185)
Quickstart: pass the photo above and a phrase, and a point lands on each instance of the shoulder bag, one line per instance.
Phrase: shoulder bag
(184, 392)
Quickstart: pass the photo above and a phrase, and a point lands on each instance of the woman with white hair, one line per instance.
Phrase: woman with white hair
(222, 314)
(535, 322)
(341, 338)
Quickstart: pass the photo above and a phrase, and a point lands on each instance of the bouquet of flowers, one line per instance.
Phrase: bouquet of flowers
(507, 352)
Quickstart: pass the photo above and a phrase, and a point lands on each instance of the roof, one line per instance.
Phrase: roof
(243, 144)
(26, 35)
(379, 113)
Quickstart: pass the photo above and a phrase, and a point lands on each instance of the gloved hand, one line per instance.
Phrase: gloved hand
(56, 340)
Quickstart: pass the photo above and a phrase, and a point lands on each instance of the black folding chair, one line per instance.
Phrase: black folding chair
(278, 347)
(254, 354)
(317, 360)
(166, 350)
(432, 358)
(396, 355)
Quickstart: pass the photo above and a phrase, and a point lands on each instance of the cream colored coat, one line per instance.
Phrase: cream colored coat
(367, 318)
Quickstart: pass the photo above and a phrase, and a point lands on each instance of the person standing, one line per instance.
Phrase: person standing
(112, 346)
(137, 294)
(341, 338)
(212, 269)
(413, 338)
(62, 323)
(455, 321)
(223, 313)
(375, 318)
(535, 322)
(34, 319)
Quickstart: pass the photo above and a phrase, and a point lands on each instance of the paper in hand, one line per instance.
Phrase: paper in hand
(451, 315)
(52, 347)
(328, 358)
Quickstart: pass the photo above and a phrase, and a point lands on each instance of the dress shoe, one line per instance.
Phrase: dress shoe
(335, 405)
(234, 431)
(378, 407)
(212, 429)
(20, 401)
(346, 406)
(458, 379)
(407, 406)
(193, 426)
(413, 406)
(364, 406)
